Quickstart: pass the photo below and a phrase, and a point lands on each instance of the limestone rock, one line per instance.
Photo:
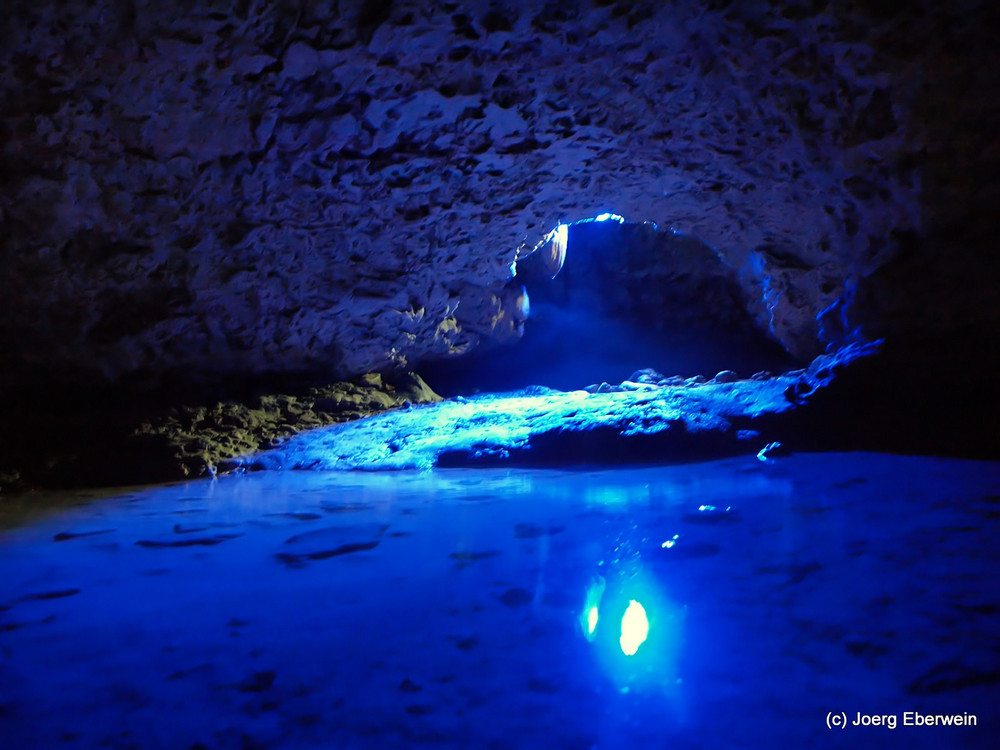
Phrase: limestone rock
(646, 375)
(200, 438)
(282, 187)
(726, 376)
(562, 427)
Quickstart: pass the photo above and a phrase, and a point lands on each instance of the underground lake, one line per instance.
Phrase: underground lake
(491, 608)
(499, 374)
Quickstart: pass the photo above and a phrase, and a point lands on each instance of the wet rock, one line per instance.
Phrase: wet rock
(204, 438)
(553, 253)
(539, 390)
(772, 451)
(327, 405)
(673, 380)
(798, 391)
(646, 375)
(630, 386)
(578, 426)
(726, 376)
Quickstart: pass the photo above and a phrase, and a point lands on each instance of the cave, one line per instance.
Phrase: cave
(591, 374)
(625, 297)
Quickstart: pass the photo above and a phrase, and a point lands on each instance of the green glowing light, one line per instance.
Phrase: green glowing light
(591, 620)
(635, 628)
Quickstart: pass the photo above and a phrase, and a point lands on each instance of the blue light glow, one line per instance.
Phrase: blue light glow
(638, 639)
(601, 218)
(635, 628)
(590, 616)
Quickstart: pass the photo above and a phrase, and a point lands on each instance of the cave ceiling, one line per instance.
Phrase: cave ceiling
(211, 188)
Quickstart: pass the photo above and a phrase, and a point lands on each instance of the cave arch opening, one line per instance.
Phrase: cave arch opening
(609, 297)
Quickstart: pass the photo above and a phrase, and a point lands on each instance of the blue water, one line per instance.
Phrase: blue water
(453, 608)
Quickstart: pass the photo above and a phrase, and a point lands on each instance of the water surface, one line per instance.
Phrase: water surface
(453, 608)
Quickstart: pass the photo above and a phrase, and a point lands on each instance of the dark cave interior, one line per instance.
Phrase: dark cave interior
(627, 297)
(337, 408)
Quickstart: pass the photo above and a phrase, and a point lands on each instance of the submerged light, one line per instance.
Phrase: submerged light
(635, 628)
(638, 635)
(591, 614)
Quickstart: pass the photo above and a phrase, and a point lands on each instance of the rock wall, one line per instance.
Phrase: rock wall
(199, 189)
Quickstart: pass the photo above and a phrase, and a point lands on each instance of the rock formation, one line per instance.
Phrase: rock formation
(195, 190)
(660, 421)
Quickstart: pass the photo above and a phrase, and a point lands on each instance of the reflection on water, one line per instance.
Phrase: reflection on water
(723, 604)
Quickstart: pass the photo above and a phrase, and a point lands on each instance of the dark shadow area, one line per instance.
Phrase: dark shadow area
(628, 297)
(605, 446)
(925, 397)
(55, 436)
(62, 437)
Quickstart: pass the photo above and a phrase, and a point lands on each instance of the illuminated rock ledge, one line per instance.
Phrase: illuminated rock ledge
(540, 425)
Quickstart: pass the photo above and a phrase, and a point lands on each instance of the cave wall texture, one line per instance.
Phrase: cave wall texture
(200, 189)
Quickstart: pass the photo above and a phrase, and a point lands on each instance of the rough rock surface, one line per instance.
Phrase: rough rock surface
(541, 425)
(199, 438)
(194, 189)
(112, 439)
